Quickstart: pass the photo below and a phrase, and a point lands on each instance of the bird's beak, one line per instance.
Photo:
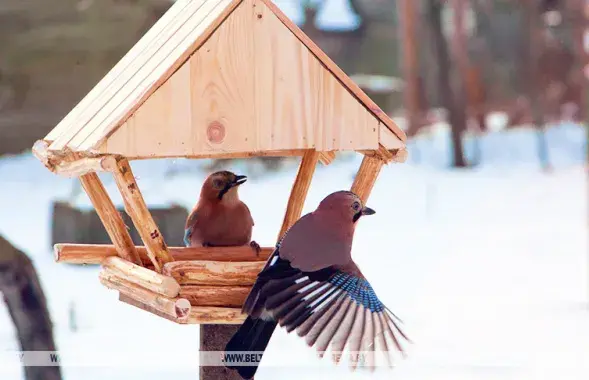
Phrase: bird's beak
(368, 211)
(239, 180)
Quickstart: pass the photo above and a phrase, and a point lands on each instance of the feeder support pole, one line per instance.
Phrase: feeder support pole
(135, 206)
(366, 177)
(299, 191)
(110, 217)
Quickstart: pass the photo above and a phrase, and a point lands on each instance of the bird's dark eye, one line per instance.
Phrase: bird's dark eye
(356, 206)
(217, 183)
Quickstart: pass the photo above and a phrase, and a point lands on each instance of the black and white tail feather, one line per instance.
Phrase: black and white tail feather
(327, 307)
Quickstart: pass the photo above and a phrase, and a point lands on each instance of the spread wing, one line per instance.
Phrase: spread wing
(328, 307)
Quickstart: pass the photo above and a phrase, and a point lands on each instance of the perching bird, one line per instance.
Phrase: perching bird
(311, 284)
(220, 218)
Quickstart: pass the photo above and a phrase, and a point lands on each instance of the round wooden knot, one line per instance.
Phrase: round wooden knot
(216, 132)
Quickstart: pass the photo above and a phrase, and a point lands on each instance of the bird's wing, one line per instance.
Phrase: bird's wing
(250, 214)
(190, 226)
(310, 246)
(332, 306)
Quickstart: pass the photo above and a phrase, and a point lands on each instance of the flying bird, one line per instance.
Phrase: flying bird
(311, 284)
(220, 218)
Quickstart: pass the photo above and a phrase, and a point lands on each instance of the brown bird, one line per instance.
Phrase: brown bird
(220, 218)
(312, 285)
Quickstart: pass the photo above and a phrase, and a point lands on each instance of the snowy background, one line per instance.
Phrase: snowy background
(487, 267)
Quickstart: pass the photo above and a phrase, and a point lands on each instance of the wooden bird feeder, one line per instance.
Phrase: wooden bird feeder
(211, 79)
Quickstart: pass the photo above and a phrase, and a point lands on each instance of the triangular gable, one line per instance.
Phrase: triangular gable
(223, 76)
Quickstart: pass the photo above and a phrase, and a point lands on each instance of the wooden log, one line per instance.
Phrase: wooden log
(174, 307)
(70, 165)
(83, 166)
(206, 295)
(215, 316)
(213, 272)
(148, 279)
(94, 254)
(198, 315)
(110, 217)
(140, 305)
(137, 209)
(299, 191)
(366, 177)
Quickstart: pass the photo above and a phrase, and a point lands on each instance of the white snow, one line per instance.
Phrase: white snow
(486, 267)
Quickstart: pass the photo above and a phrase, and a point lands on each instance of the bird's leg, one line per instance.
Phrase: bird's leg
(205, 244)
(256, 247)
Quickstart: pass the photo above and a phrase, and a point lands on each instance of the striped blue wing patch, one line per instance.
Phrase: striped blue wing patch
(187, 233)
(359, 290)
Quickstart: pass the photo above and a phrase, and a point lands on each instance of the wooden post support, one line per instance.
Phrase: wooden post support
(299, 191)
(137, 209)
(366, 176)
(214, 338)
(110, 217)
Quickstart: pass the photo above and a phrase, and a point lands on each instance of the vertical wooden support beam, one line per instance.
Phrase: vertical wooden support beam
(110, 217)
(135, 206)
(214, 338)
(366, 177)
(299, 191)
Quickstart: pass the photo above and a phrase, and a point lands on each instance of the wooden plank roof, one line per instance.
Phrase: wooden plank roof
(158, 55)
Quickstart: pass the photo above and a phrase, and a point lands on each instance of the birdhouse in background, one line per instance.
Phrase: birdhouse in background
(211, 79)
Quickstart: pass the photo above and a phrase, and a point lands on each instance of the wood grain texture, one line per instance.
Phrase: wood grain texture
(135, 206)
(326, 158)
(214, 272)
(207, 315)
(134, 56)
(204, 315)
(148, 279)
(366, 177)
(145, 307)
(192, 34)
(181, 35)
(173, 307)
(110, 218)
(288, 102)
(298, 193)
(181, 91)
(336, 71)
(94, 254)
(388, 139)
(207, 295)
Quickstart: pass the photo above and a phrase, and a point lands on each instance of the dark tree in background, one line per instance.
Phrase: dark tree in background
(27, 306)
(455, 105)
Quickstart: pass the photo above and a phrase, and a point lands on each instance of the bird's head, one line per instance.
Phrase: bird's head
(222, 186)
(346, 205)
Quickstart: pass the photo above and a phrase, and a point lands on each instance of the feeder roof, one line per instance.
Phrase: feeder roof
(215, 78)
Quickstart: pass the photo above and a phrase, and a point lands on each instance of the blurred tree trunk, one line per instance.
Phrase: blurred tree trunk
(408, 33)
(27, 306)
(456, 110)
(532, 23)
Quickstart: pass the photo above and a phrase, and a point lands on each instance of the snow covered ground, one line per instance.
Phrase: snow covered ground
(487, 267)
